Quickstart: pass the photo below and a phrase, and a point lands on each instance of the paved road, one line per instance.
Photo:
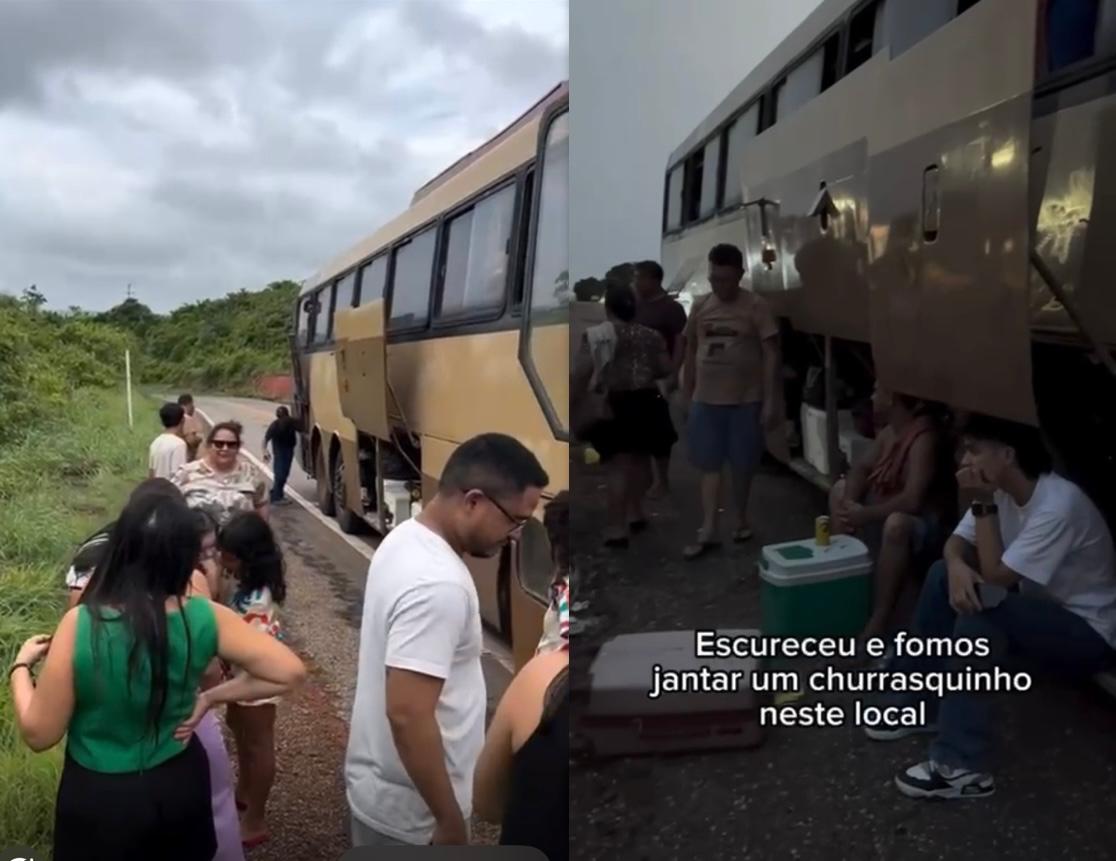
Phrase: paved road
(328, 539)
(808, 793)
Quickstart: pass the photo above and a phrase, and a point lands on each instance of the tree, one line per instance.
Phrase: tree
(33, 300)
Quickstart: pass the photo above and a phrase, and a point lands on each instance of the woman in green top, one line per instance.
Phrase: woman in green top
(120, 679)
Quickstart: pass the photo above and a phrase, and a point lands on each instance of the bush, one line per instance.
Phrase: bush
(65, 478)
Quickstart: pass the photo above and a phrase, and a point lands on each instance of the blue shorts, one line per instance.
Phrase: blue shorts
(719, 434)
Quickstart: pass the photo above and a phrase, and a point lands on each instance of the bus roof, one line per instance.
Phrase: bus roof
(502, 154)
(828, 13)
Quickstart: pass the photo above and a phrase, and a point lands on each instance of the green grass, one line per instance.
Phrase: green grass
(57, 486)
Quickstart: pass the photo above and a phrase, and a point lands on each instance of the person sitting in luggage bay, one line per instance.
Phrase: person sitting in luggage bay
(1028, 528)
(886, 499)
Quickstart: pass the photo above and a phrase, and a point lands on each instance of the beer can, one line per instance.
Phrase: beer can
(821, 531)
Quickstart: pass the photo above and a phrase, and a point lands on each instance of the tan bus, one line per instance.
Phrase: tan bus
(921, 191)
(450, 321)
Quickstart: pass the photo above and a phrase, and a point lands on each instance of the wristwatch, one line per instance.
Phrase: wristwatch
(983, 509)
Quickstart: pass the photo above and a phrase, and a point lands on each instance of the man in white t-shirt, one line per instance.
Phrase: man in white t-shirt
(418, 718)
(1031, 567)
(168, 451)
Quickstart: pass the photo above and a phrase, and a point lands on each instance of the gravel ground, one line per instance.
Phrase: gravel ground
(807, 793)
(307, 811)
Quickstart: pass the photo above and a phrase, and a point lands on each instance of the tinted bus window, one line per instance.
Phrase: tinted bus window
(303, 320)
(866, 34)
(711, 170)
(346, 288)
(476, 268)
(373, 278)
(674, 199)
(802, 84)
(910, 23)
(410, 288)
(742, 130)
(324, 330)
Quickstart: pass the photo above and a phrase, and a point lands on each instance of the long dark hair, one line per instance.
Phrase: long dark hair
(150, 556)
(248, 537)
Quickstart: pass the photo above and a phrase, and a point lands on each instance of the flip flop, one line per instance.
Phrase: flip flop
(698, 549)
(742, 536)
(638, 526)
(616, 543)
(258, 840)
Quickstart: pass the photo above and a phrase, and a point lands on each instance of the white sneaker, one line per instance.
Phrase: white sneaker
(894, 733)
(930, 780)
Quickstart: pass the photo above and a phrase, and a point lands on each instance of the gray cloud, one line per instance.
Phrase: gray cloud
(194, 148)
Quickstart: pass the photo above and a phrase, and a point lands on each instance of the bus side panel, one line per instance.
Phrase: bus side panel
(949, 231)
(824, 273)
(1074, 176)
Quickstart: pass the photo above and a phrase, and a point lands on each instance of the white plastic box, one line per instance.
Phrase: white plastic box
(620, 719)
(816, 450)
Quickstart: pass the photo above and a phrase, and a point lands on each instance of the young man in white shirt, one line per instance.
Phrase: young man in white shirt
(168, 451)
(417, 727)
(1031, 567)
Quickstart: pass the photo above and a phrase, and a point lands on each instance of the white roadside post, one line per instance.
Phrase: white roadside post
(128, 384)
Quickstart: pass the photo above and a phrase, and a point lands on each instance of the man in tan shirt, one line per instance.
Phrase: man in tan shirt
(730, 387)
(193, 431)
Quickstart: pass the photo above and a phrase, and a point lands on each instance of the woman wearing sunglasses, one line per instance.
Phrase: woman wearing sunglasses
(222, 482)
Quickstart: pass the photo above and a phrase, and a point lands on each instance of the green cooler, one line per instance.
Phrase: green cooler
(810, 590)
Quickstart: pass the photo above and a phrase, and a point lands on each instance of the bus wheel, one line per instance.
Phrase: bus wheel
(326, 502)
(346, 519)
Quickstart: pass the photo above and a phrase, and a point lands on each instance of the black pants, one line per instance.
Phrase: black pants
(162, 813)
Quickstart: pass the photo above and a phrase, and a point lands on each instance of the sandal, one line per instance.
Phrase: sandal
(742, 535)
(698, 549)
(638, 526)
(618, 543)
(253, 842)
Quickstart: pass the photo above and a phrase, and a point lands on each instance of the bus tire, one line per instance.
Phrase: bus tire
(346, 519)
(326, 502)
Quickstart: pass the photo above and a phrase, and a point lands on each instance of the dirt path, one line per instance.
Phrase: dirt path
(308, 812)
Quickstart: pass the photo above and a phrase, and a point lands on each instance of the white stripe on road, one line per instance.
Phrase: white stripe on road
(359, 546)
(491, 647)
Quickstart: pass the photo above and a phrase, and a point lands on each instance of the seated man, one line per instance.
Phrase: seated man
(886, 499)
(1028, 528)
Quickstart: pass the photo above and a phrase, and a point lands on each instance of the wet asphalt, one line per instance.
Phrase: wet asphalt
(807, 793)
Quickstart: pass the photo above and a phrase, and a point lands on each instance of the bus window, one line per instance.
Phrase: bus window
(742, 130)
(545, 344)
(536, 563)
(304, 305)
(806, 80)
(476, 263)
(910, 23)
(346, 292)
(711, 171)
(524, 234)
(373, 277)
(691, 187)
(674, 198)
(866, 34)
(324, 332)
(410, 286)
(1071, 31)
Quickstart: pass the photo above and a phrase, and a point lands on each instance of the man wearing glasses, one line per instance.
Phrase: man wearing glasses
(418, 717)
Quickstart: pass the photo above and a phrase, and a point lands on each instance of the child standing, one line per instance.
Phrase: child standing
(253, 562)
(556, 623)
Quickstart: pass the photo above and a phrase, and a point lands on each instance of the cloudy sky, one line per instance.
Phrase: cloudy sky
(195, 147)
(643, 74)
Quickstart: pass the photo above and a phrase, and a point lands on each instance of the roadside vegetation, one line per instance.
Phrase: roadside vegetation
(68, 460)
